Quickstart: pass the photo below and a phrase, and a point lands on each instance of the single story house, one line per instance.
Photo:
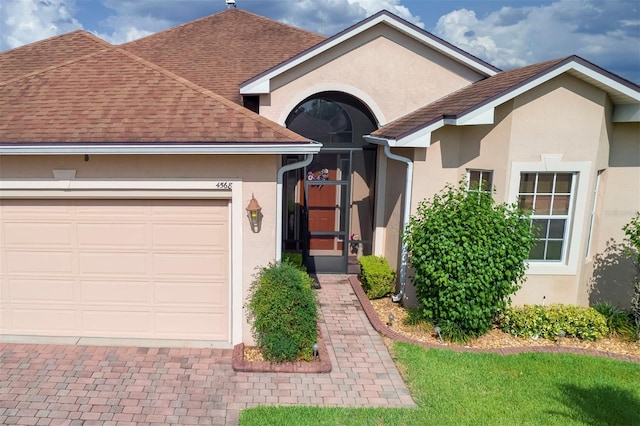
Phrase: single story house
(131, 175)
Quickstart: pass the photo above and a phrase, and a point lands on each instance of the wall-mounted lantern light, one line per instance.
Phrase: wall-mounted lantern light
(254, 213)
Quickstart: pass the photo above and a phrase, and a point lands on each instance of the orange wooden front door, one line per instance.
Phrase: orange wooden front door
(322, 209)
(327, 189)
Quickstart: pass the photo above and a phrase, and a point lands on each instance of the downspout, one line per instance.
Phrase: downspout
(279, 212)
(405, 219)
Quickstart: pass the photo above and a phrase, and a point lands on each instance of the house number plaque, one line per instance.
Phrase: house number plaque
(224, 185)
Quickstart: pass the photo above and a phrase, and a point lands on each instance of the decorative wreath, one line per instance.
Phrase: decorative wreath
(320, 175)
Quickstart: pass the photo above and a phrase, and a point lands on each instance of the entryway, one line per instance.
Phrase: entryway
(329, 204)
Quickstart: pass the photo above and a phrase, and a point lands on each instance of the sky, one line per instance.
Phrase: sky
(507, 34)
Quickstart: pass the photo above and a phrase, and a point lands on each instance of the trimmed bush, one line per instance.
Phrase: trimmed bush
(468, 254)
(376, 276)
(546, 321)
(283, 311)
(295, 259)
(632, 233)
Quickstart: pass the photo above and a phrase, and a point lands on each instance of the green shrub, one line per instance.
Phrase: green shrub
(295, 259)
(453, 332)
(619, 322)
(283, 311)
(280, 346)
(376, 276)
(547, 321)
(632, 233)
(468, 256)
(414, 316)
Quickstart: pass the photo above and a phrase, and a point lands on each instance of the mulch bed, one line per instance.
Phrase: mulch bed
(495, 341)
(249, 359)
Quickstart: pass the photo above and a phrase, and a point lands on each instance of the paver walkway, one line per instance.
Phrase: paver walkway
(86, 385)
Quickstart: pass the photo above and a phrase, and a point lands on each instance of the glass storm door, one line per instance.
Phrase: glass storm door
(327, 195)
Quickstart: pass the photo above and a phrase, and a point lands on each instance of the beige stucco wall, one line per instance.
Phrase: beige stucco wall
(565, 118)
(390, 72)
(568, 118)
(257, 173)
(608, 271)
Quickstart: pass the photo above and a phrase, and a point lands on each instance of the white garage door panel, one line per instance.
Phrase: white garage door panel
(43, 234)
(36, 320)
(129, 264)
(188, 294)
(189, 265)
(50, 291)
(203, 323)
(119, 293)
(117, 234)
(128, 324)
(192, 235)
(44, 209)
(112, 209)
(30, 262)
(115, 268)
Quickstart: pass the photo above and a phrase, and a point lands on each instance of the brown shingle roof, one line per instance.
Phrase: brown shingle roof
(464, 100)
(114, 96)
(221, 51)
(50, 52)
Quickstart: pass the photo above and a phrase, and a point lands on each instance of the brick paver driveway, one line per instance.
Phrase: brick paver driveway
(68, 385)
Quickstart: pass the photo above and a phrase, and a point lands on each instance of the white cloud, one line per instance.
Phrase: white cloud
(393, 6)
(127, 20)
(331, 16)
(128, 28)
(325, 17)
(604, 32)
(514, 36)
(466, 31)
(26, 21)
(133, 19)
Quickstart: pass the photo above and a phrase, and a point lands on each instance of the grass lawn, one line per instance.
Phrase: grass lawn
(463, 388)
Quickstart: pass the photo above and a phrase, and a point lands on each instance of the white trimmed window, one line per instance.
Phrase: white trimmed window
(549, 197)
(480, 181)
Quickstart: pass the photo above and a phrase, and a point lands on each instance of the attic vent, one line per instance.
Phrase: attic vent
(231, 4)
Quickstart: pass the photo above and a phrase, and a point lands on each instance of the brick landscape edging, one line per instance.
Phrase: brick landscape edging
(382, 328)
(323, 365)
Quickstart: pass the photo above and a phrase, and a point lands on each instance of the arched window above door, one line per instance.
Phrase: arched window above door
(323, 121)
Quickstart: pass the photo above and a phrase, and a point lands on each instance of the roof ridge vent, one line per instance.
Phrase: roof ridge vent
(231, 4)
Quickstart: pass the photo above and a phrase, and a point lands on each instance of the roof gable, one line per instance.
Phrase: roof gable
(47, 53)
(220, 51)
(261, 84)
(474, 104)
(113, 96)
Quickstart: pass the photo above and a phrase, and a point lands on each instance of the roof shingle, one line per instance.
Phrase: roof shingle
(463, 100)
(114, 96)
(47, 53)
(221, 51)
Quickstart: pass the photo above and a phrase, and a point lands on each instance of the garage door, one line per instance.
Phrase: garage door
(115, 268)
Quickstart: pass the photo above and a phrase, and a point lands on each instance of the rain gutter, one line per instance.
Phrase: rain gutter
(279, 206)
(406, 210)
